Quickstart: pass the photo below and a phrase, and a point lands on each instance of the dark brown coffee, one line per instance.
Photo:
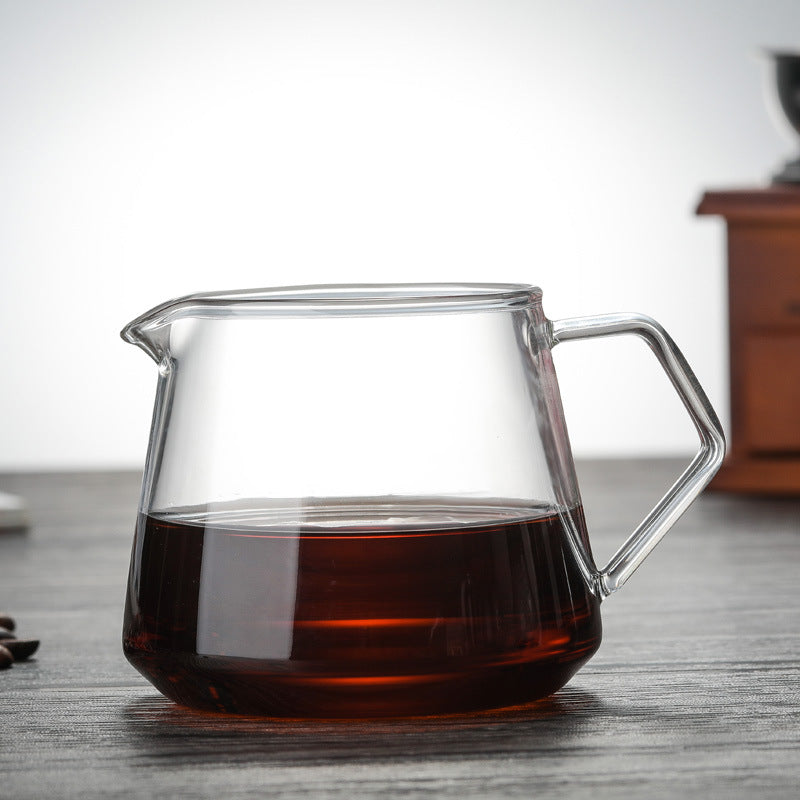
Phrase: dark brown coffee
(371, 620)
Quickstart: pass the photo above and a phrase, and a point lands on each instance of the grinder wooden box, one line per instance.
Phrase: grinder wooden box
(764, 330)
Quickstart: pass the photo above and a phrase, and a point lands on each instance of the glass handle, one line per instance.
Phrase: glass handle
(712, 439)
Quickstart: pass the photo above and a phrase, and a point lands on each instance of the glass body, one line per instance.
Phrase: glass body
(361, 501)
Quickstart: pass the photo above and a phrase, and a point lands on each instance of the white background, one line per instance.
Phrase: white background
(152, 149)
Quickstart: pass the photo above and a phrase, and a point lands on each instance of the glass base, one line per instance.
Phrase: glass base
(246, 686)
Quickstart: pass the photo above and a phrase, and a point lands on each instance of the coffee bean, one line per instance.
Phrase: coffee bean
(21, 648)
(5, 633)
(7, 622)
(6, 659)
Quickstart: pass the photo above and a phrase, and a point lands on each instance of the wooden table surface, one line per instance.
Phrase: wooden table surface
(695, 691)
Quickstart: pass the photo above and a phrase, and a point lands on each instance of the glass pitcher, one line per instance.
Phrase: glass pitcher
(361, 501)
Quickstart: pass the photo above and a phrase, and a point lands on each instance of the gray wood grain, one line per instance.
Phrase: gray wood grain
(695, 690)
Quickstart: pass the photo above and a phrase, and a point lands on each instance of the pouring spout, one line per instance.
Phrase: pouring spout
(154, 342)
(151, 330)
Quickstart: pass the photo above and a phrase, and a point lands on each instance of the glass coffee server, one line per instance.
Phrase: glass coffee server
(361, 501)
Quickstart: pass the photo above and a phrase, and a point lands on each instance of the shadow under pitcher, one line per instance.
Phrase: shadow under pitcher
(360, 501)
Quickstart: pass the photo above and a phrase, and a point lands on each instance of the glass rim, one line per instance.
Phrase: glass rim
(347, 299)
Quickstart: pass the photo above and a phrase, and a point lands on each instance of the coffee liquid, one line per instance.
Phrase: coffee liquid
(226, 612)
